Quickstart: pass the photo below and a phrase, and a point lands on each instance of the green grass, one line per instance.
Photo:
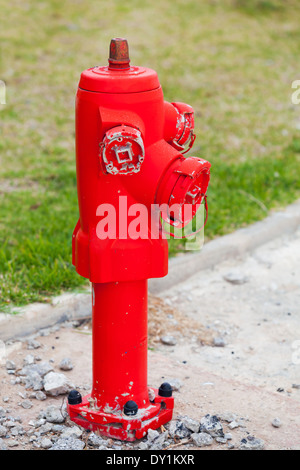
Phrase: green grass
(233, 60)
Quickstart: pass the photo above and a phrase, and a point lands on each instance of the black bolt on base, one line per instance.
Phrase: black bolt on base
(165, 390)
(130, 408)
(74, 397)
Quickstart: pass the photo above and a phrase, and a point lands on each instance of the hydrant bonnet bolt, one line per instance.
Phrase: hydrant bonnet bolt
(74, 397)
(130, 408)
(165, 390)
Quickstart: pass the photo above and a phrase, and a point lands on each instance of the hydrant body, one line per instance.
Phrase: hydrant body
(129, 162)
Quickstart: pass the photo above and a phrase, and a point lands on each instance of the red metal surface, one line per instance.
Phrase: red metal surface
(127, 142)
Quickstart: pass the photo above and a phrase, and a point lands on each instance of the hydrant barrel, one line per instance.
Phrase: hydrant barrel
(120, 344)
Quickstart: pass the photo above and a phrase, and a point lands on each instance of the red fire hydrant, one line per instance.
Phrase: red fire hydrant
(129, 145)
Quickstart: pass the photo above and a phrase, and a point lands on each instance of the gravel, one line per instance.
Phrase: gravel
(39, 381)
(69, 443)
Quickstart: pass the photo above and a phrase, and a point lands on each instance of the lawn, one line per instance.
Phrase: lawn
(234, 61)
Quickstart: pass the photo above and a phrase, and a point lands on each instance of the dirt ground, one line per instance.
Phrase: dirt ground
(237, 334)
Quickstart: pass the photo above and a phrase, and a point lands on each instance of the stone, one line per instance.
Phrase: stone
(179, 430)
(10, 424)
(73, 431)
(41, 396)
(33, 344)
(33, 375)
(53, 414)
(202, 439)
(3, 431)
(155, 440)
(221, 440)
(252, 443)
(17, 430)
(45, 428)
(66, 364)
(2, 445)
(94, 440)
(57, 384)
(236, 278)
(28, 360)
(143, 446)
(152, 435)
(37, 423)
(26, 404)
(69, 443)
(233, 425)
(211, 425)
(190, 423)
(33, 381)
(12, 443)
(276, 423)
(46, 443)
(10, 365)
(168, 340)
(219, 342)
(228, 416)
(15, 381)
(58, 428)
(42, 369)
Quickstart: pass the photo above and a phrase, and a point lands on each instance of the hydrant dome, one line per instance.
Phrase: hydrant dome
(132, 80)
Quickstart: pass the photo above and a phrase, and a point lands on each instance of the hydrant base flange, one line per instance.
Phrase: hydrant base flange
(119, 426)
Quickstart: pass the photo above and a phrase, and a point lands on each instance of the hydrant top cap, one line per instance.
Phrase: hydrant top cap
(118, 54)
(119, 76)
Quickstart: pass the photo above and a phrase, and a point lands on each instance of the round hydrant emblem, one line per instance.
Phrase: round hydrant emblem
(122, 151)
